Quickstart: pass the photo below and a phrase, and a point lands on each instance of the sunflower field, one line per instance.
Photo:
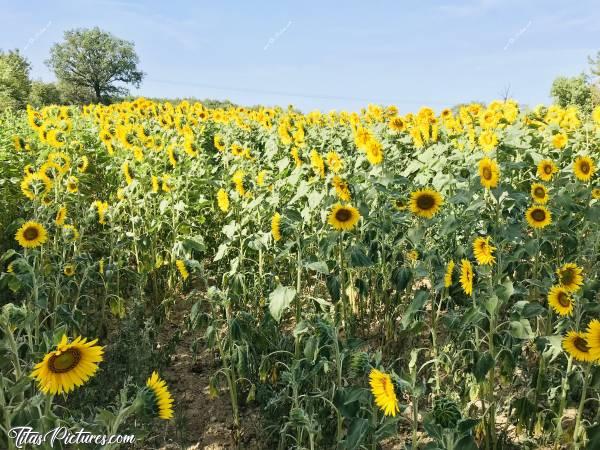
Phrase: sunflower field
(359, 280)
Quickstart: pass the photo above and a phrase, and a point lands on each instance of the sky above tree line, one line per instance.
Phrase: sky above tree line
(328, 55)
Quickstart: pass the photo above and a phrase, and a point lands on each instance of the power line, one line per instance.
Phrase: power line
(296, 94)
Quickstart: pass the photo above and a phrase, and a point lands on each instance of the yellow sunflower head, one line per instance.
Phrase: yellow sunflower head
(560, 301)
(546, 170)
(539, 193)
(448, 274)
(31, 234)
(575, 344)
(483, 251)
(466, 276)
(72, 185)
(570, 277)
(69, 366)
(382, 389)
(592, 336)
(343, 217)
(162, 405)
(596, 193)
(223, 200)
(425, 203)
(276, 226)
(560, 140)
(584, 168)
(69, 270)
(182, 268)
(488, 173)
(538, 216)
(61, 216)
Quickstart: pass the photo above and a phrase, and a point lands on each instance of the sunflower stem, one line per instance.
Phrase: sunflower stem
(563, 401)
(577, 430)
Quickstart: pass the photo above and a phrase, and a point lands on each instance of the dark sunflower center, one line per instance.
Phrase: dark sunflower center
(567, 276)
(343, 215)
(563, 300)
(487, 173)
(64, 362)
(538, 215)
(31, 233)
(425, 202)
(581, 344)
(584, 167)
(547, 169)
(539, 192)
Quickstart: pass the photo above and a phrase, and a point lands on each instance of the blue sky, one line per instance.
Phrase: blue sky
(328, 55)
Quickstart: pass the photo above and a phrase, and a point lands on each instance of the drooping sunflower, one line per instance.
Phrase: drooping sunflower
(546, 170)
(592, 336)
(69, 270)
(382, 389)
(61, 216)
(539, 193)
(83, 164)
(181, 267)
(560, 301)
(342, 190)
(448, 274)
(69, 366)
(167, 183)
(276, 226)
(425, 203)
(538, 216)
(569, 276)
(223, 200)
(483, 251)
(163, 401)
(466, 276)
(576, 345)
(72, 185)
(70, 233)
(488, 173)
(343, 217)
(584, 168)
(31, 235)
(127, 173)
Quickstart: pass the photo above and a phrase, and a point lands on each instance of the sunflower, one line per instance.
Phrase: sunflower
(539, 193)
(163, 401)
(154, 181)
(538, 216)
(72, 185)
(181, 267)
(448, 274)
(260, 178)
(218, 142)
(488, 140)
(127, 173)
(83, 164)
(560, 140)
(593, 338)
(466, 276)
(397, 124)
(317, 163)
(276, 226)
(343, 217)
(576, 345)
(584, 168)
(167, 184)
(70, 233)
(546, 170)
(560, 301)
(374, 152)
(482, 249)
(171, 152)
(334, 162)
(569, 277)
(61, 216)
(69, 366)
(425, 203)
(488, 173)
(101, 208)
(31, 235)
(342, 190)
(223, 200)
(382, 389)
(69, 270)
(35, 185)
(596, 193)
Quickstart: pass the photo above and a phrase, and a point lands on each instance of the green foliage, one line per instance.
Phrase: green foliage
(14, 80)
(96, 60)
(573, 91)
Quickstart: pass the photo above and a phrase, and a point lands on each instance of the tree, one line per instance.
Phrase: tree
(573, 91)
(15, 84)
(92, 59)
(43, 94)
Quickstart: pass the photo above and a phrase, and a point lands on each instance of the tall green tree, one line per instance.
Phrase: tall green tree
(96, 60)
(15, 84)
(573, 91)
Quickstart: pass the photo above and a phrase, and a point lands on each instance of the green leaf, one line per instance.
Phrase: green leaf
(521, 329)
(415, 306)
(358, 257)
(318, 266)
(483, 366)
(356, 433)
(280, 299)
